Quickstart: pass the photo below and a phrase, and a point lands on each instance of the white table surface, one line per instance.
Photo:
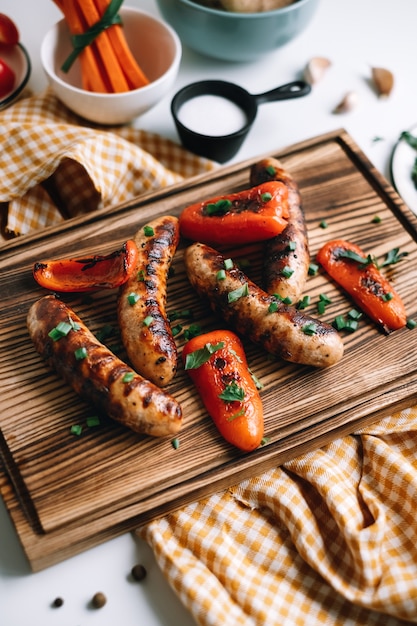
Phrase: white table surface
(355, 35)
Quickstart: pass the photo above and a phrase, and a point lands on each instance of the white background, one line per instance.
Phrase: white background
(355, 35)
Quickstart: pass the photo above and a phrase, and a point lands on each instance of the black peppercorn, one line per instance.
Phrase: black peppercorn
(98, 600)
(57, 602)
(138, 572)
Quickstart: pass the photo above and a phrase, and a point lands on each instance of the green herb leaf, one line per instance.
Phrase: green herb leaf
(393, 256)
(232, 393)
(192, 331)
(199, 357)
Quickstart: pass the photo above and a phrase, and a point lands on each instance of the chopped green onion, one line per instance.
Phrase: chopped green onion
(313, 269)
(76, 429)
(192, 331)
(175, 443)
(286, 300)
(176, 330)
(94, 420)
(132, 298)
(292, 246)
(148, 320)
(324, 298)
(264, 440)
(287, 272)
(411, 323)
(321, 307)
(309, 329)
(228, 264)
(237, 414)
(80, 353)
(141, 276)
(61, 330)
(221, 275)
(270, 169)
(183, 314)
(376, 219)
(323, 224)
(238, 293)
(148, 231)
(128, 377)
(303, 303)
(266, 197)
(387, 296)
(256, 380)
(339, 322)
(105, 332)
(273, 307)
(351, 325)
(221, 207)
(354, 314)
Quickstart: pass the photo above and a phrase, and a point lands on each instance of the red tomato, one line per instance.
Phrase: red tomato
(7, 79)
(9, 35)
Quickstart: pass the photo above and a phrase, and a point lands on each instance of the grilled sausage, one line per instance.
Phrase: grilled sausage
(280, 329)
(144, 326)
(99, 376)
(286, 257)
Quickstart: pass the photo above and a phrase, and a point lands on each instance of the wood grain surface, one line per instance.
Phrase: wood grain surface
(66, 493)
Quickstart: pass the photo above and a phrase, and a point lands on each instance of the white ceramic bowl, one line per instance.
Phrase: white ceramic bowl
(155, 46)
(18, 60)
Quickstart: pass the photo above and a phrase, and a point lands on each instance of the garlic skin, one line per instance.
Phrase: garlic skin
(315, 69)
(348, 103)
(383, 80)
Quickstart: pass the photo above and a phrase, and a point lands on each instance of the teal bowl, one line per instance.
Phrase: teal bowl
(233, 36)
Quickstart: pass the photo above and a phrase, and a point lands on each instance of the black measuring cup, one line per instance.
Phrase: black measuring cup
(221, 147)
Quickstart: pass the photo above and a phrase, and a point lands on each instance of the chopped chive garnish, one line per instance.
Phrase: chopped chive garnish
(94, 420)
(387, 296)
(266, 197)
(61, 330)
(351, 325)
(354, 314)
(237, 414)
(324, 298)
(286, 300)
(339, 322)
(141, 275)
(80, 353)
(313, 269)
(176, 330)
(228, 264)
(287, 272)
(309, 329)
(256, 380)
(76, 429)
(292, 245)
(270, 169)
(132, 298)
(273, 307)
(175, 443)
(411, 323)
(180, 314)
(148, 320)
(128, 377)
(303, 303)
(321, 307)
(192, 331)
(323, 224)
(376, 219)
(238, 293)
(264, 441)
(221, 207)
(105, 332)
(221, 275)
(148, 231)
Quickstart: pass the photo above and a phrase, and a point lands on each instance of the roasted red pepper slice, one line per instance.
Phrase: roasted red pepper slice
(217, 365)
(365, 284)
(88, 273)
(255, 214)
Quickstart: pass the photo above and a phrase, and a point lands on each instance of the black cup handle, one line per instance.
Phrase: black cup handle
(296, 89)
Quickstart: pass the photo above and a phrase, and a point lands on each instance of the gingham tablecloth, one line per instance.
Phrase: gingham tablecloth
(329, 538)
(54, 166)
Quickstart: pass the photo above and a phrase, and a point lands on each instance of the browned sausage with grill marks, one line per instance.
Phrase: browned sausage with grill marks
(98, 375)
(286, 257)
(280, 329)
(144, 325)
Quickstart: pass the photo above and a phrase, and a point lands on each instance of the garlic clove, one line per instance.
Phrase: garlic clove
(315, 69)
(383, 80)
(348, 103)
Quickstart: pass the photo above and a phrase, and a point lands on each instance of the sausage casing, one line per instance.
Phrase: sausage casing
(144, 325)
(280, 329)
(286, 257)
(100, 376)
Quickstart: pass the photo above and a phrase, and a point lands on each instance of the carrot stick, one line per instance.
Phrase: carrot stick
(92, 76)
(133, 73)
(102, 43)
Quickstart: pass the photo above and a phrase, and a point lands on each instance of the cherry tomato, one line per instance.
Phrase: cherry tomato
(7, 79)
(9, 34)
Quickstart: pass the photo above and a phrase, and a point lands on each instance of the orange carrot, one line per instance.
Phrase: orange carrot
(133, 73)
(358, 275)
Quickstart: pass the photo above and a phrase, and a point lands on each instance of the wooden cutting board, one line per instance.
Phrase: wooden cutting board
(66, 493)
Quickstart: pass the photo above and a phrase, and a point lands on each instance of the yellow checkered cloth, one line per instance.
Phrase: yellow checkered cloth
(329, 538)
(53, 166)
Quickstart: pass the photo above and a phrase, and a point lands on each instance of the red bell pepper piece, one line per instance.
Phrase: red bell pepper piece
(255, 214)
(363, 281)
(88, 273)
(217, 365)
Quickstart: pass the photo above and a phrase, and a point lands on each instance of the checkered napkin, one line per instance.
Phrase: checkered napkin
(54, 166)
(329, 538)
